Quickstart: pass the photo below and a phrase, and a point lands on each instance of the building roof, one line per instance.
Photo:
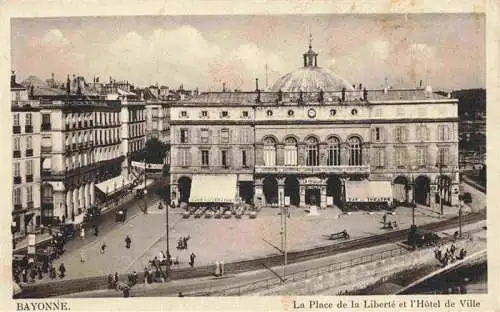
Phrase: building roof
(34, 81)
(249, 98)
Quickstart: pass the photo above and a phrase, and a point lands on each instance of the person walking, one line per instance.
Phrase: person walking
(191, 259)
(62, 270)
(82, 233)
(82, 256)
(115, 279)
(128, 241)
(103, 248)
(96, 231)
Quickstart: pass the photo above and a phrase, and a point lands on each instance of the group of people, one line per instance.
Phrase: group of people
(450, 255)
(182, 242)
(114, 283)
(28, 273)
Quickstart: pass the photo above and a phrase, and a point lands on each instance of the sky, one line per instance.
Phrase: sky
(446, 51)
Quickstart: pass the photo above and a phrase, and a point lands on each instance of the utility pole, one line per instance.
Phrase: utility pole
(413, 201)
(285, 251)
(145, 185)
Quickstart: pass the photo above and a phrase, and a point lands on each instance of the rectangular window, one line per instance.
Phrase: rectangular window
(379, 158)
(184, 155)
(224, 158)
(400, 155)
(245, 114)
(269, 156)
(29, 142)
(29, 193)
(204, 114)
(224, 136)
(17, 196)
(28, 119)
(17, 144)
(225, 114)
(45, 119)
(17, 169)
(244, 158)
(377, 134)
(29, 167)
(421, 156)
(443, 156)
(16, 119)
(184, 136)
(204, 158)
(204, 136)
(443, 133)
(400, 134)
(184, 114)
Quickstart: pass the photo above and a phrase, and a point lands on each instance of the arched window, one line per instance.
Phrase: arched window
(312, 152)
(333, 158)
(354, 151)
(269, 152)
(290, 152)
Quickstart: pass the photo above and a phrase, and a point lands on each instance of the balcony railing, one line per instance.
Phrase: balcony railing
(28, 129)
(17, 180)
(16, 154)
(46, 127)
(30, 205)
(18, 207)
(46, 172)
(16, 129)
(313, 169)
(29, 178)
(46, 149)
(29, 152)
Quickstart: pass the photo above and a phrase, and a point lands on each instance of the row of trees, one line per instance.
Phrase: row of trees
(154, 152)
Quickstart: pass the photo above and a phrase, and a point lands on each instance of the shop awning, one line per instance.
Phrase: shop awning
(141, 186)
(213, 189)
(114, 185)
(368, 191)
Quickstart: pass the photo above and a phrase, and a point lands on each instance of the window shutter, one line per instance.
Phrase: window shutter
(229, 133)
(188, 157)
(219, 140)
(198, 136)
(405, 134)
(395, 134)
(229, 160)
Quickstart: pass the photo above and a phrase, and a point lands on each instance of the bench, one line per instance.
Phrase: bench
(339, 235)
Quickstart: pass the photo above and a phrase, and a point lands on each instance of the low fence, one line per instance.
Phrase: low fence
(304, 274)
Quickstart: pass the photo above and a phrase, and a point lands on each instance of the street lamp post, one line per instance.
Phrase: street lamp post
(413, 201)
(285, 210)
(440, 186)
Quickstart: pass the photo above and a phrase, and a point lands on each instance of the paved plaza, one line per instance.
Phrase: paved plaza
(229, 239)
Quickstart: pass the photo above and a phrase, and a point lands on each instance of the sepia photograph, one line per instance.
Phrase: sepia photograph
(248, 155)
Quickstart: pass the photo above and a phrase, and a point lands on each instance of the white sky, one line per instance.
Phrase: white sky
(444, 50)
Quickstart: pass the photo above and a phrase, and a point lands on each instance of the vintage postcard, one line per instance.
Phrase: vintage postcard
(292, 156)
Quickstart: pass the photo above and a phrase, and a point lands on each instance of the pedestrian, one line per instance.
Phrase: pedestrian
(110, 281)
(40, 276)
(180, 294)
(25, 275)
(146, 273)
(32, 275)
(115, 280)
(82, 256)
(52, 272)
(128, 241)
(82, 233)
(96, 231)
(62, 270)
(191, 259)
(103, 248)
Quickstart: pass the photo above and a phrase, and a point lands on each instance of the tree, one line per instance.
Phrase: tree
(155, 151)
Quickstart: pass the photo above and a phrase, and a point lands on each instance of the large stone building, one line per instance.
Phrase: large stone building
(25, 159)
(313, 132)
(81, 143)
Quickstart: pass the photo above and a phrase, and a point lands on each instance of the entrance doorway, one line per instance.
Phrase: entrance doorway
(313, 197)
(400, 189)
(292, 189)
(246, 191)
(184, 189)
(270, 186)
(334, 189)
(422, 190)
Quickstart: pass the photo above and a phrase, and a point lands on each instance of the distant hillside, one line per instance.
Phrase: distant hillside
(469, 100)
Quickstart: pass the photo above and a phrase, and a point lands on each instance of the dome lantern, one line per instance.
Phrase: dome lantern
(310, 57)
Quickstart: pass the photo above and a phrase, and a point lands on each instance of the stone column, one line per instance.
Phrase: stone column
(322, 154)
(301, 157)
(281, 192)
(92, 193)
(258, 192)
(302, 192)
(365, 154)
(323, 196)
(280, 155)
(259, 155)
(410, 192)
(343, 193)
(344, 154)
(238, 190)
(69, 205)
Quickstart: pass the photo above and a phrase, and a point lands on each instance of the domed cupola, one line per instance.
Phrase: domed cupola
(311, 77)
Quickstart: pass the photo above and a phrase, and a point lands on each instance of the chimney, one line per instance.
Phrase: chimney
(32, 91)
(223, 87)
(343, 94)
(68, 86)
(420, 84)
(53, 76)
(256, 84)
(365, 95)
(13, 77)
(360, 86)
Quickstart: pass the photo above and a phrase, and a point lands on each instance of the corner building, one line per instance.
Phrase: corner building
(314, 131)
